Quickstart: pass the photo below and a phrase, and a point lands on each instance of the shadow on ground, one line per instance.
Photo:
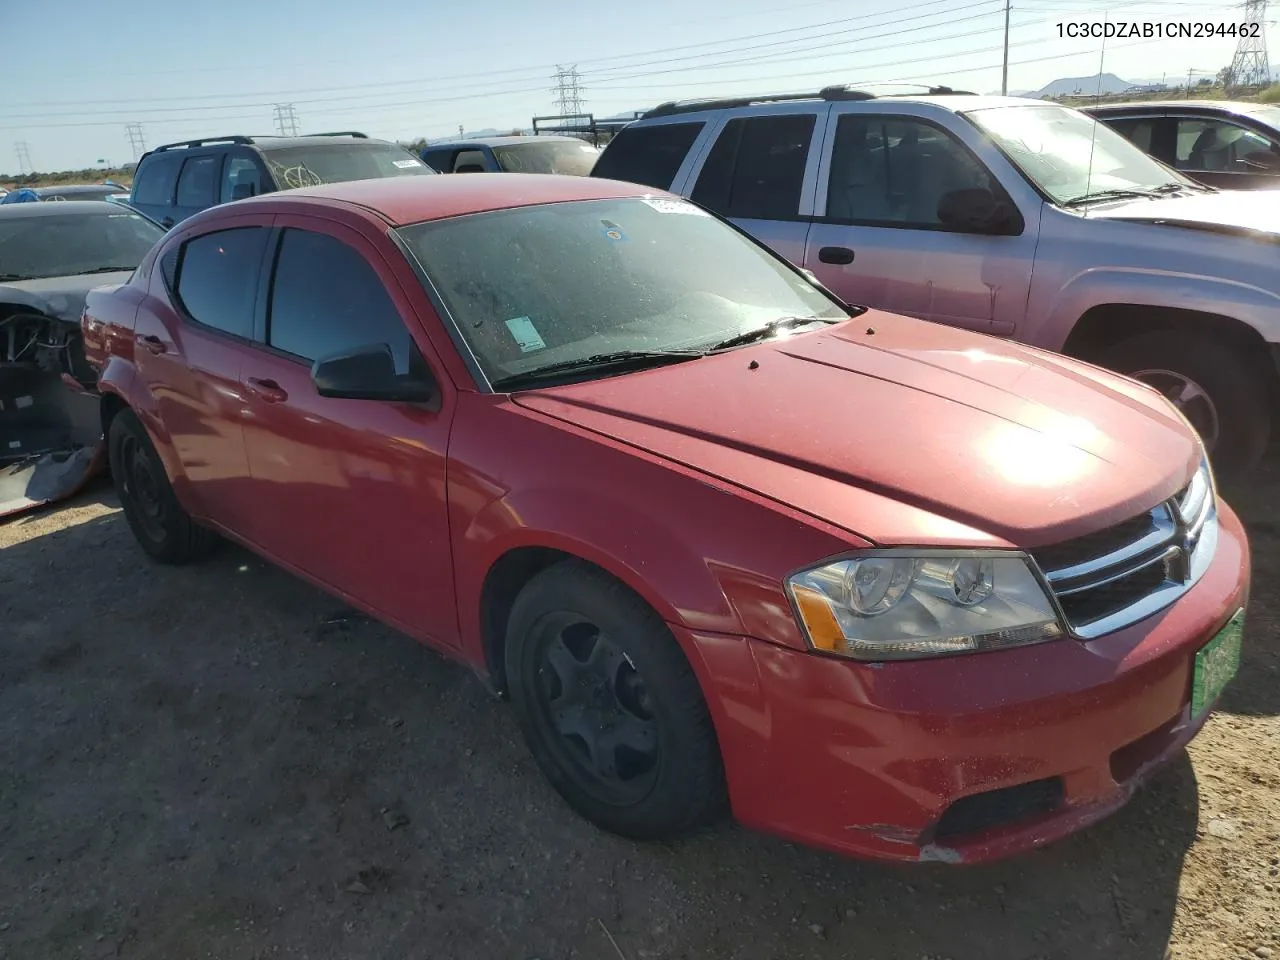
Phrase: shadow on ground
(192, 765)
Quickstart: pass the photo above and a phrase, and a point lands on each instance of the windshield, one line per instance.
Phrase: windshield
(543, 285)
(63, 246)
(1069, 155)
(558, 156)
(312, 165)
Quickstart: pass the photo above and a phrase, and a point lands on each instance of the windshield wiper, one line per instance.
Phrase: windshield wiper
(767, 331)
(1099, 195)
(12, 277)
(618, 358)
(85, 273)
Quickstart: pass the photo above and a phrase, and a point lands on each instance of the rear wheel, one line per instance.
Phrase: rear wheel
(610, 707)
(164, 530)
(1222, 392)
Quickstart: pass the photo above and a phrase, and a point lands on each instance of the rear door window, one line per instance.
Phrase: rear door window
(217, 279)
(154, 184)
(195, 183)
(1140, 131)
(241, 177)
(648, 155)
(755, 171)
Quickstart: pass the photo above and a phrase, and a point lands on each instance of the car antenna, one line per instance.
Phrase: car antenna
(1097, 99)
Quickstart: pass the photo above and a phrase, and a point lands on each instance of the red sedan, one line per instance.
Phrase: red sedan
(882, 586)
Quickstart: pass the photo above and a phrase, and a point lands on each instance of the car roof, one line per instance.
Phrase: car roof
(405, 200)
(82, 208)
(501, 141)
(955, 102)
(77, 188)
(1223, 106)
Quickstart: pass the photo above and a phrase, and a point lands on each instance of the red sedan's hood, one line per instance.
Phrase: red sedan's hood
(914, 434)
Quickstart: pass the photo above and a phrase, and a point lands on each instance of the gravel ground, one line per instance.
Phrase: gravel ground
(195, 763)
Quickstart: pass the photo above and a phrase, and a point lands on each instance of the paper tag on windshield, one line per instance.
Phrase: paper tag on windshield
(667, 205)
(525, 334)
(405, 164)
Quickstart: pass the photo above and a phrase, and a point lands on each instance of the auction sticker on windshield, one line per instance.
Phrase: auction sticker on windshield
(1216, 663)
(526, 334)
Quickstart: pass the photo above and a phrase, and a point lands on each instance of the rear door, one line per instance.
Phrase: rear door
(877, 239)
(760, 173)
(657, 153)
(191, 335)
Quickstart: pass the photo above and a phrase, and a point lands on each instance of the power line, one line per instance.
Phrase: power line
(285, 117)
(24, 157)
(137, 142)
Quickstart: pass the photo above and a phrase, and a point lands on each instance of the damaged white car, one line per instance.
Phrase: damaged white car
(51, 255)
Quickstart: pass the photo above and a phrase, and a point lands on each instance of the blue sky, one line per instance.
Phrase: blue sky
(77, 72)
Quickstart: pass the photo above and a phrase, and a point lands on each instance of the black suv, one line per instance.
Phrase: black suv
(177, 180)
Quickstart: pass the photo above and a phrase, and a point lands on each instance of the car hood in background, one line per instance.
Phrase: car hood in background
(1228, 211)
(60, 297)
(912, 434)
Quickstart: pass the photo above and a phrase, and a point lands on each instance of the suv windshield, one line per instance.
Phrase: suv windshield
(558, 156)
(1070, 156)
(543, 285)
(313, 164)
(66, 245)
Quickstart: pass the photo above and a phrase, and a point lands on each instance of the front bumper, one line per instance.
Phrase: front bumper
(966, 758)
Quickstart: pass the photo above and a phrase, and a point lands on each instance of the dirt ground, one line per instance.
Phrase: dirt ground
(193, 764)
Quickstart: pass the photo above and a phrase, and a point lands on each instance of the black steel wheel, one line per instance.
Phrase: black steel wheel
(159, 523)
(610, 707)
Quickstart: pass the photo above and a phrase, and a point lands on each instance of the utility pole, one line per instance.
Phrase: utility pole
(24, 157)
(568, 90)
(137, 142)
(1250, 66)
(286, 119)
(1004, 72)
(460, 133)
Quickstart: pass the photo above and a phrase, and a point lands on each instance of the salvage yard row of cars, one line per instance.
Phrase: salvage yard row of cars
(692, 458)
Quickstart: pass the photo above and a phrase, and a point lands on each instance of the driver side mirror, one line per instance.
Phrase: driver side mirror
(369, 373)
(976, 210)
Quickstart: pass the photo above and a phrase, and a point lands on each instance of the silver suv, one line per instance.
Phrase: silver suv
(1012, 217)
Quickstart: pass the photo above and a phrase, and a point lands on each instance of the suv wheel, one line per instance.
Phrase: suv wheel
(609, 706)
(165, 531)
(1223, 394)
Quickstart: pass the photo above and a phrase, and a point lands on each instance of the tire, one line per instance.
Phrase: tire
(163, 529)
(1233, 384)
(629, 688)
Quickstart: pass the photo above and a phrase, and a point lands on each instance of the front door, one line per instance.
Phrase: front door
(877, 239)
(757, 172)
(351, 492)
(1225, 155)
(191, 334)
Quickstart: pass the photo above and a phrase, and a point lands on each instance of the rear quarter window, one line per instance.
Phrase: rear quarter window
(155, 180)
(648, 155)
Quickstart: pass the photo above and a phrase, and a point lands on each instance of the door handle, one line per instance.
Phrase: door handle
(838, 255)
(151, 343)
(267, 390)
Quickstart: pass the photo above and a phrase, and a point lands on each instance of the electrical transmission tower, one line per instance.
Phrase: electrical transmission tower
(137, 142)
(24, 157)
(1249, 66)
(286, 119)
(568, 90)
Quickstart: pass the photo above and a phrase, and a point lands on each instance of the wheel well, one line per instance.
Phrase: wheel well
(107, 409)
(1108, 324)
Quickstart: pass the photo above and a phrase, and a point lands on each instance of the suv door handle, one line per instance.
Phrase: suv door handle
(267, 390)
(838, 255)
(150, 343)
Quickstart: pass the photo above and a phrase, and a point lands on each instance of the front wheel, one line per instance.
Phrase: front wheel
(609, 706)
(1222, 392)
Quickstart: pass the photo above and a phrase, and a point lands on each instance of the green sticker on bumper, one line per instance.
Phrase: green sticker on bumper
(1216, 663)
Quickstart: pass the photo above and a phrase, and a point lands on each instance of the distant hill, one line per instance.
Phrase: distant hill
(1084, 86)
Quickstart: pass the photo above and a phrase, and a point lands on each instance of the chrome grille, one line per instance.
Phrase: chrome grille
(1107, 580)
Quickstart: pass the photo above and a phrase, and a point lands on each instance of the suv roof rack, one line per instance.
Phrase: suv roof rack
(340, 133)
(838, 92)
(582, 123)
(234, 138)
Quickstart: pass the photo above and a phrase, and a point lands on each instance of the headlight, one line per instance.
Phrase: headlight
(903, 604)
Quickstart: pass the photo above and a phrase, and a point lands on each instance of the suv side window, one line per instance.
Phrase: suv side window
(756, 169)
(325, 298)
(648, 155)
(195, 183)
(217, 279)
(469, 161)
(894, 170)
(1207, 143)
(241, 178)
(155, 180)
